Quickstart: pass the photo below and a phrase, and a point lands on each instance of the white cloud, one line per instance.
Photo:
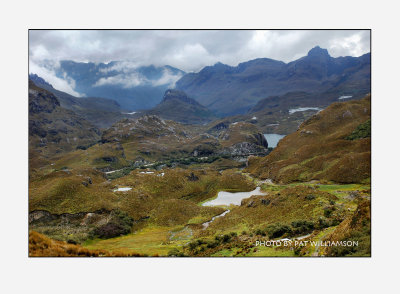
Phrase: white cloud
(121, 66)
(125, 80)
(168, 78)
(190, 50)
(66, 84)
(264, 43)
(351, 44)
(194, 54)
(129, 77)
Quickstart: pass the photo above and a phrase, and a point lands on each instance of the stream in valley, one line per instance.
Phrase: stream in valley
(206, 224)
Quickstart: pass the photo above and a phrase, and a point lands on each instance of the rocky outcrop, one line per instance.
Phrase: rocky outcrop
(218, 128)
(171, 94)
(150, 137)
(40, 101)
(260, 139)
(245, 149)
(55, 128)
(43, 216)
(77, 227)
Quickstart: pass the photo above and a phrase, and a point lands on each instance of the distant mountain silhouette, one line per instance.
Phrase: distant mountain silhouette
(101, 112)
(132, 87)
(234, 90)
(177, 106)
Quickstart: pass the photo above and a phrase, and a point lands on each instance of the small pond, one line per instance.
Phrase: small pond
(227, 198)
(122, 189)
(273, 139)
(293, 110)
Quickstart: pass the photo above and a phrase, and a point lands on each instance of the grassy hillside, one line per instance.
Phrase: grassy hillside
(153, 138)
(328, 146)
(66, 191)
(40, 245)
(168, 198)
(140, 188)
(356, 227)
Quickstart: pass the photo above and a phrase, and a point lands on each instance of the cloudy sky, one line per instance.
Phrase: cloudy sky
(186, 50)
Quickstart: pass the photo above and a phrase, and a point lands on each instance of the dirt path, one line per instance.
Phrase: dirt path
(325, 233)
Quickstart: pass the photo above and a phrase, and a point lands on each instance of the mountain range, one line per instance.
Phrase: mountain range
(228, 90)
(132, 87)
(101, 112)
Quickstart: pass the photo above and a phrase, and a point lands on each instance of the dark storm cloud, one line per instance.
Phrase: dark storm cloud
(186, 50)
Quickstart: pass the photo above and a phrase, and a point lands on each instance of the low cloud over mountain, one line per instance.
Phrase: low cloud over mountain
(186, 50)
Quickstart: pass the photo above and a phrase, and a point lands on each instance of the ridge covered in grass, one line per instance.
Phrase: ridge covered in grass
(319, 149)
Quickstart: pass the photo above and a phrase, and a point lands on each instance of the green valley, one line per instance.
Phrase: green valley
(155, 204)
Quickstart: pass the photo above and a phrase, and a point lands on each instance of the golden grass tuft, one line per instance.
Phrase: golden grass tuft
(42, 246)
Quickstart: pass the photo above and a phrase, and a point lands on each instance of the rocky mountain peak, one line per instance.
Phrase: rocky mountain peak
(318, 52)
(179, 95)
(150, 119)
(39, 81)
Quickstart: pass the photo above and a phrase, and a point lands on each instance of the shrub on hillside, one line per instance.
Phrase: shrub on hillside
(328, 211)
(260, 232)
(175, 253)
(212, 244)
(120, 224)
(310, 197)
(361, 237)
(323, 223)
(278, 230)
(362, 131)
(226, 238)
(302, 226)
(109, 230)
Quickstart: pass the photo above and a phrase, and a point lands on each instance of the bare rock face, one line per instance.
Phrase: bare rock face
(41, 101)
(172, 94)
(54, 127)
(40, 215)
(261, 140)
(245, 148)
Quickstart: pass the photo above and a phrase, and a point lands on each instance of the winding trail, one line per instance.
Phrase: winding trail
(316, 248)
